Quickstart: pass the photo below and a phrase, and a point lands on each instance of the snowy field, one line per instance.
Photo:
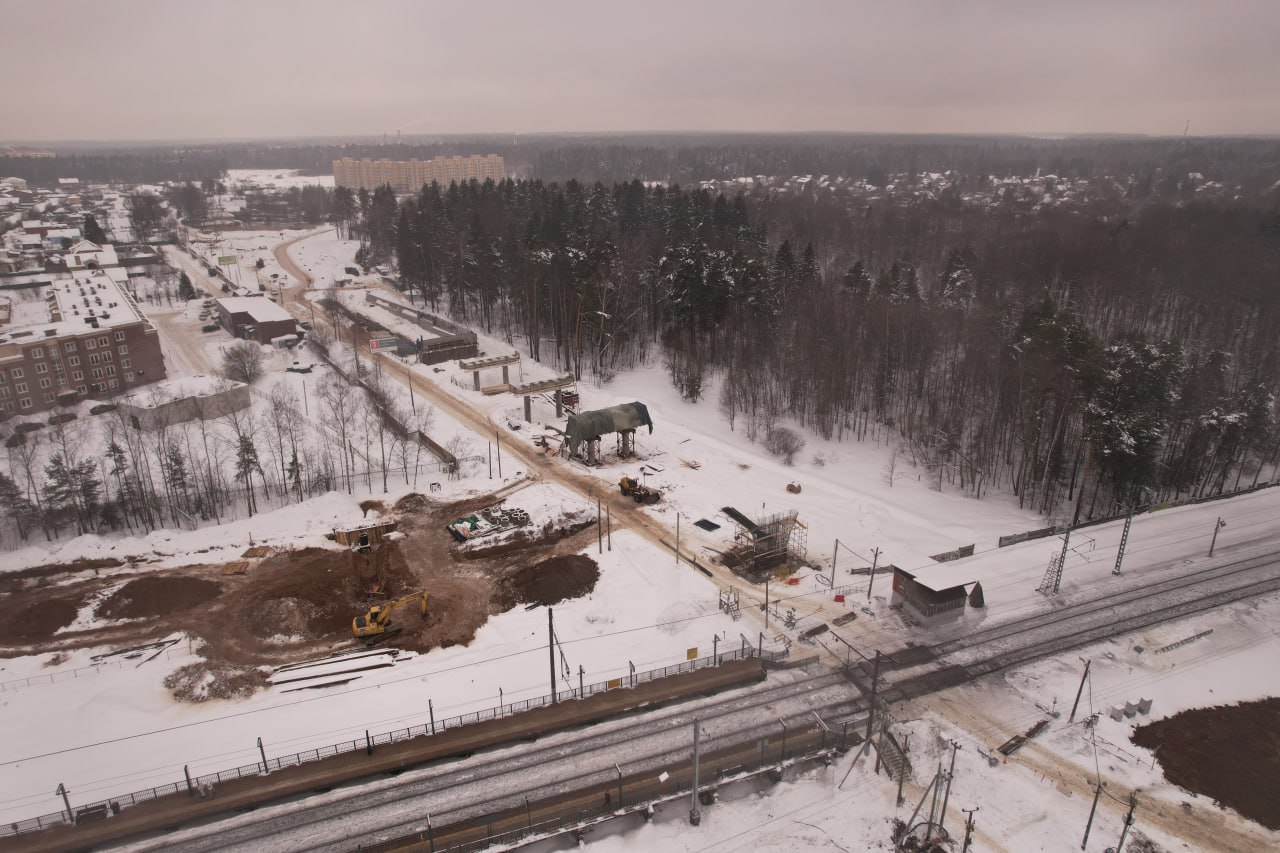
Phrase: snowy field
(280, 179)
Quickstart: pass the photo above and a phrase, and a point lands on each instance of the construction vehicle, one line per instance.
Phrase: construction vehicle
(375, 626)
(639, 492)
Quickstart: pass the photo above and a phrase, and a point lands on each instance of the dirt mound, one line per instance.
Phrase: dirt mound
(1230, 753)
(365, 506)
(157, 596)
(281, 617)
(200, 682)
(413, 502)
(22, 623)
(549, 582)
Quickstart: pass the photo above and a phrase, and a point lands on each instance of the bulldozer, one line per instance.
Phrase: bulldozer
(639, 492)
(375, 626)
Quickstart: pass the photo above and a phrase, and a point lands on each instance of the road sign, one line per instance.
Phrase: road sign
(390, 343)
(691, 654)
(226, 260)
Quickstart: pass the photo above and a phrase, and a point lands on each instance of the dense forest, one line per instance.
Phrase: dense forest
(1076, 359)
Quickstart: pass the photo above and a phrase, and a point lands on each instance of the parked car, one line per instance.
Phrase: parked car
(210, 327)
(351, 271)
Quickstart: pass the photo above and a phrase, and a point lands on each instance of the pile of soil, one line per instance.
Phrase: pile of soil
(157, 596)
(549, 582)
(22, 622)
(413, 502)
(287, 617)
(1229, 753)
(200, 682)
(313, 592)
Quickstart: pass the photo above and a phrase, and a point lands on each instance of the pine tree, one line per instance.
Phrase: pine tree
(93, 231)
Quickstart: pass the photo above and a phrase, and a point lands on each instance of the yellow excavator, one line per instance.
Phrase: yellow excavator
(375, 626)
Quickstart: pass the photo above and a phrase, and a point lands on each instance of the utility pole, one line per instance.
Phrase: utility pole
(835, 553)
(1213, 542)
(62, 791)
(695, 815)
(1124, 540)
(875, 558)
(1079, 692)
(678, 539)
(1062, 559)
(497, 436)
(1097, 792)
(551, 651)
(766, 596)
(1128, 821)
(968, 829)
(942, 819)
(875, 693)
(933, 802)
(599, 528)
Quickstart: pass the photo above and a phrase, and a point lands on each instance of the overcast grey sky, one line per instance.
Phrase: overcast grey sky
(136, 69)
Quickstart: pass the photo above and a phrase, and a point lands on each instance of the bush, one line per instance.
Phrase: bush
(784, 443)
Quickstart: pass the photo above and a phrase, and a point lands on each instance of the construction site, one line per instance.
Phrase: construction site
(272, 607)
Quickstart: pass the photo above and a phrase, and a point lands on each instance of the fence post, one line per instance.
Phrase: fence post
(368, 743)
(263, 752)
(186, 771)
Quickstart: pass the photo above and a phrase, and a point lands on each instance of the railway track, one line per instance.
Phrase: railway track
(962, 660)
(469, 788)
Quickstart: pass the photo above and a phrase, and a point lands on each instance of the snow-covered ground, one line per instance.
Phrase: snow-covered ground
(279, 179)
(647, 610)
(120, 730)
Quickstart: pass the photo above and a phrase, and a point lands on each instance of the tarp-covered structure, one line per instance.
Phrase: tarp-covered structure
(588, 425)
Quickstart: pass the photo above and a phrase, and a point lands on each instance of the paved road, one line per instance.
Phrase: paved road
(183, 353)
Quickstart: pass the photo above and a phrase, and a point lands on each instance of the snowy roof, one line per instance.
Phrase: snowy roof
(67, 304)
(199, 385)
(942, 576)
(261, 309)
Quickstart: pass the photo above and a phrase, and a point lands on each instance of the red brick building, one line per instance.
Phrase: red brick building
(79, 337)
(255, 318)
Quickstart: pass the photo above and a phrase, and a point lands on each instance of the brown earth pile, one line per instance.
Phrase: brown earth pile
(20, 622)
(413, 502)
(157, 596)
(1230, 753)
(200, 682)
(548, 582)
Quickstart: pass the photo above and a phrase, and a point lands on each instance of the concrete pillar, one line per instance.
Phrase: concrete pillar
(505, 379)
(528, 410)
(475, 374)
(559, 404)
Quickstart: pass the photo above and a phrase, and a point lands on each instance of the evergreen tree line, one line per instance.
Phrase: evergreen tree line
(1073, 359)
(1253, 165)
